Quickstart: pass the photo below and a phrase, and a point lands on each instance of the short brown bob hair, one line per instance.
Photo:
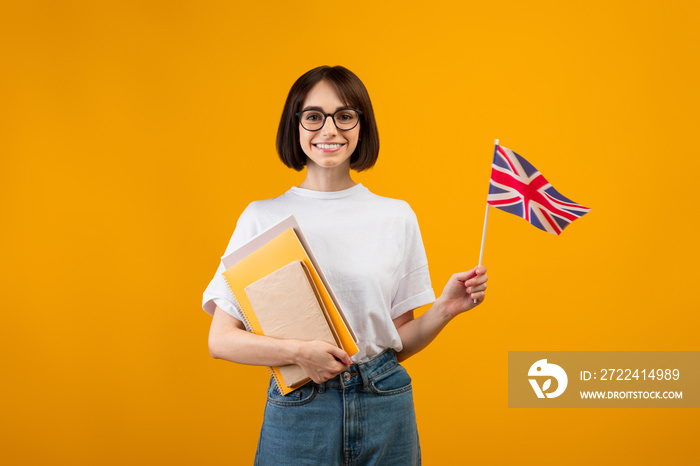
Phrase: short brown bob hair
(354, 94)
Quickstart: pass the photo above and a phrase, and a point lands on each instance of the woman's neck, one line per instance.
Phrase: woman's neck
(326, 178)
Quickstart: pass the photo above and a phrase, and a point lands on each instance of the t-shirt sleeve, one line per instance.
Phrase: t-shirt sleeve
(413, 288)
(217, 292)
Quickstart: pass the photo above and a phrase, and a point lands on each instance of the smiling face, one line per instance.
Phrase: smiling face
(328, 147)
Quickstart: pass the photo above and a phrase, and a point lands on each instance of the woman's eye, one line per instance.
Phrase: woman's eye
(312, 117)
(345, 117)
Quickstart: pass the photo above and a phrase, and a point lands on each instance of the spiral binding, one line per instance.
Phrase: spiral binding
(246, 322)
(248, 327)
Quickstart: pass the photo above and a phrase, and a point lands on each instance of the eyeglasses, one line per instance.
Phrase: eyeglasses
(344, 119)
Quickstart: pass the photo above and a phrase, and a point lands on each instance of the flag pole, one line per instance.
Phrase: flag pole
(486, 221)
(483, 234)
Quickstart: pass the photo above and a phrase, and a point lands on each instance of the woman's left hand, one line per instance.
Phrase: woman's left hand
(464, 291)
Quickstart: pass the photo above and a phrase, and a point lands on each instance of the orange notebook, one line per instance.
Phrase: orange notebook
(268, 252)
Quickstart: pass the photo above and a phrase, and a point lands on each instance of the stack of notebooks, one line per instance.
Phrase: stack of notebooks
(281, 292)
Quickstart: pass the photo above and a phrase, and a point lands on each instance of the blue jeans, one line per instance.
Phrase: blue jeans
(364, 416)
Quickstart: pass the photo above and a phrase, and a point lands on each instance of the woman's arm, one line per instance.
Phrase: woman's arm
(463, 292)
(229, 340)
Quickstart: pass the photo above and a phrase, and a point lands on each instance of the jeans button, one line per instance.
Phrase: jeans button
(346, 376)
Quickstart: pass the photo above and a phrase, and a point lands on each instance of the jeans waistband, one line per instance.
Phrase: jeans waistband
(364, 372)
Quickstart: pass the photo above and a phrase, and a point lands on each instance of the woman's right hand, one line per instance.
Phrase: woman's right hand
(321, 361)
(229, 340)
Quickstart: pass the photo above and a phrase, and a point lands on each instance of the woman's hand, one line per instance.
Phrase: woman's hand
(321, 361)
(229, 340)
(464, 291)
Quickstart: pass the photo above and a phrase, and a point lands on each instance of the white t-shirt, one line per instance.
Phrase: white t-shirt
(369, 248)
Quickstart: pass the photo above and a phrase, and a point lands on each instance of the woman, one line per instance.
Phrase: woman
(356, 410)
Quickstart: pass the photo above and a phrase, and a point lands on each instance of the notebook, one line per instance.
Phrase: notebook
(266, 253)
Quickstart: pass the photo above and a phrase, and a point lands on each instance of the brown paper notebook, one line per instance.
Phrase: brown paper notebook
(288, 306)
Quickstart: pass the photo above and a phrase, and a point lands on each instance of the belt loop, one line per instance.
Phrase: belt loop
(362, 369)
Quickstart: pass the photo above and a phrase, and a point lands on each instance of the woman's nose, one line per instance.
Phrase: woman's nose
(329, 126)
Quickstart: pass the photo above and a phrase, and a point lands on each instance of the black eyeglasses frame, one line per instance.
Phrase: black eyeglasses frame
(332, 115)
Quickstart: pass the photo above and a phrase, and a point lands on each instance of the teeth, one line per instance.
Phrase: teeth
(328, 146)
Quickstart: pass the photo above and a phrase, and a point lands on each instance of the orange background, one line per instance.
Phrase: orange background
(133, 133)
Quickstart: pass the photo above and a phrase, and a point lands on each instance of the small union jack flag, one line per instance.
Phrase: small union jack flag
(517, 187)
